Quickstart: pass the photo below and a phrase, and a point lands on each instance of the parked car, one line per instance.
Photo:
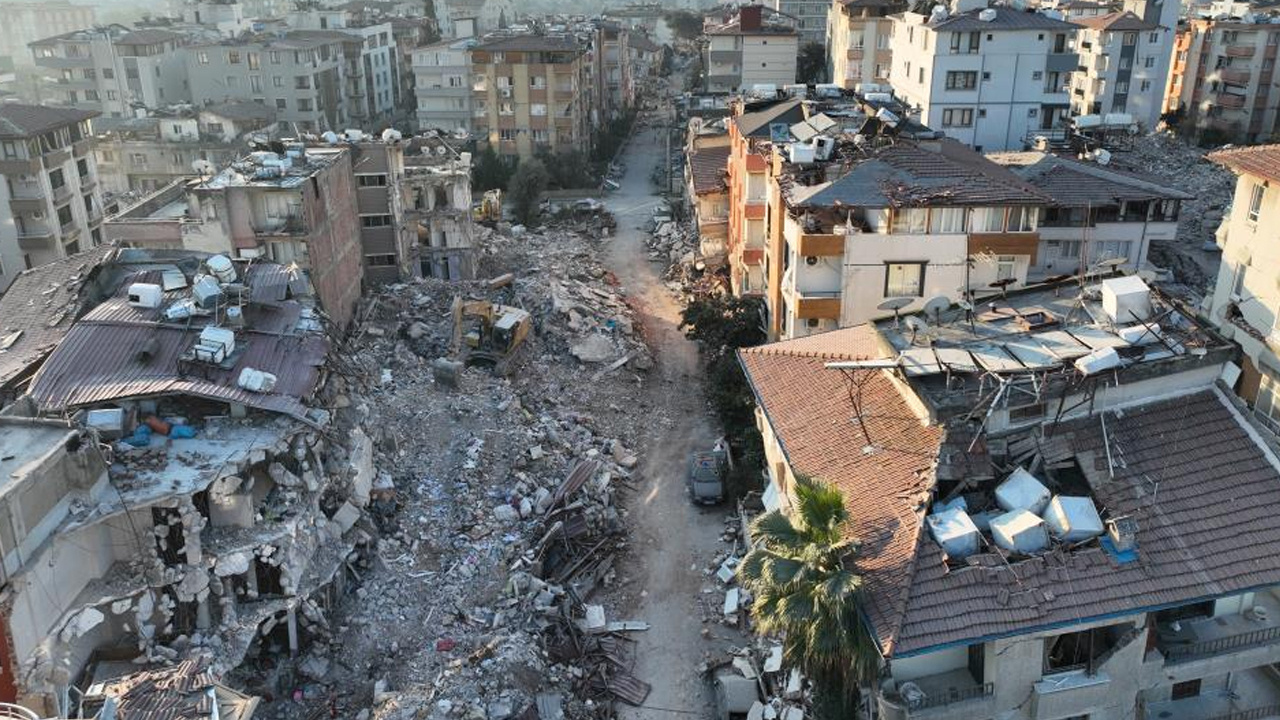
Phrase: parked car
(707, 471)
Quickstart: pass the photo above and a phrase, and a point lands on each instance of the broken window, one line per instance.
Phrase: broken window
(1083, 650)
(170, 541)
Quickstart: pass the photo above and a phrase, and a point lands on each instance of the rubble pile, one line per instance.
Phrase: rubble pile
(496, 499)
(1193, 258)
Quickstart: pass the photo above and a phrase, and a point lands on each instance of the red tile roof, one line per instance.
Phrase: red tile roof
(1260, 160)
(1115, 21)
(708, 166)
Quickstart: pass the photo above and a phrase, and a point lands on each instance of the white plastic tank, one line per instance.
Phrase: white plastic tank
(221, 267)
(1073, 519)
(258, 381)
(1020, 531)
(955, 532)
(1126, 299)
(145, 295)
(1098, 361)
(218, 338)
(1022, 491)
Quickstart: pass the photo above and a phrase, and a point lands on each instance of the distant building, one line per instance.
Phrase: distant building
(443, 86)
(811, 18)
(1222, 79)
(27, 21)
(860, 41)
(50, 201)
(531, 93)
(113, 70)
(468, 18)
(300, 207)
(1124, 56)
(988, 77)
(754, 45)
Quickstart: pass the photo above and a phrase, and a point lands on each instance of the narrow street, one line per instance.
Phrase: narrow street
(675, 540)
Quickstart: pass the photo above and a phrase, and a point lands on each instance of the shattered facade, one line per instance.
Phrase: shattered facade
(437, 190)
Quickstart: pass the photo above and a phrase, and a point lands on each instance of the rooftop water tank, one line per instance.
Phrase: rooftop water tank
(1020, 531)
(145, 295)
(1073, 519)
(1126, 299)
(206, 293)
(955, 532)
(1022, 491)
(221, 267)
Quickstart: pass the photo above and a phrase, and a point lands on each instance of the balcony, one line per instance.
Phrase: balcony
(1253, 695)
(952, 695)
(1230, 101)
(292, 226)
(1241, 51)
(1236, 76)
(34, 235)
(820, 245)
(818, 305)
(80, 148)
(56, 158)
(1068, 693)
(855, 53)
(1233, 642)
(27, 196)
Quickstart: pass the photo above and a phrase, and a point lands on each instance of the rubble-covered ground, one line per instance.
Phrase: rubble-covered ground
(1194, 258)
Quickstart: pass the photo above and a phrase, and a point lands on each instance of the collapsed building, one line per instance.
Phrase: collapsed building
(437, 186)
(173, 491)
(1063, 509)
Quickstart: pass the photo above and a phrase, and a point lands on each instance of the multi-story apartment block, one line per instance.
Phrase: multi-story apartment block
(145, 154)
(1094, 595)
(1246, 296)
(371, 73)
(706, 164)
(442, 73)
(988, 77)
(1124, 62)
(52, 205)
(113, 70)
(531, 93)
(467, 18)
(388, 235)
(611, 70)
(301, 74)
(752, 46)
(1222, 77)
(409, 34)
(860, 41)
(437, 185)
(297, 207)
(811, 18)
(227, 18)
(27, 21)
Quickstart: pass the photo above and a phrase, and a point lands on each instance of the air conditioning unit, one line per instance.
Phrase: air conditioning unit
(506, 92)
(145, 295)
(215, 345)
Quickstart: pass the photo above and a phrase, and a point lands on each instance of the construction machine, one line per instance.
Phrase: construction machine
(490, 209)
(487, 334)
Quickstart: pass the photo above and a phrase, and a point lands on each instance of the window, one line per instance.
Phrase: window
(957, 117)
(304, 105)
(1033, 112)
(82, 167)
(1122, 87)
(949, 220)
(9, 149)
(64, 215)
(282, 104)
(203, 57)
(91, 95)
(989, 220)
(506, 108)
(507, 135)
(277, 81)
(255, 83)
(904, 280)
(55, 179)
(1149, 61)
(986, 76)
(255, 61)
(371, 180)
(1006, 267)
(965, 46)
(1185, 689)
(538, 109)
(1255, 202)
(275, 57)
(912, 221)
(1109, 249)
(233, 57)
(962, 79)
(111, 95)
(1022, 219)
(537, 82)
(109, 74)
(1131, 38)
(1060, 43)
(920, 76)
(1237, 283)
(380, 260)
(1069, 249)
(372, 221)
(1037, 74)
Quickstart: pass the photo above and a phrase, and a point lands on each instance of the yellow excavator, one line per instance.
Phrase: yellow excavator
(490, 209)
(487, 334)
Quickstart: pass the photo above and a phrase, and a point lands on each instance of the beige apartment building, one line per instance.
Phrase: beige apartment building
(1222, 76)
(753, 46)
(531, 93)
(859, 41)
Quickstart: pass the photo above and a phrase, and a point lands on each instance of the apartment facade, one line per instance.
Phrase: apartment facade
(388, 235)
(706, 167)
(612, 70)
(1221, 82)
(1245, 296)
(371, 71)
(531, 93)
(300, 207)
(811, 18)
(443, 86)
(987, 77)
(113, 70)
(52, 202)
(25, 21)
(302, 75)
(754, 45)
(860, 41)
(1125, 59)
(437, 187)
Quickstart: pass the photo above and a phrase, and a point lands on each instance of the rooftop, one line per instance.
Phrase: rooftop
(1072, 183)
(1258, 160)
(1006, 18)
(273, 169)
(23, 121)
(708, 166)
(530, 43)
(185, 691)
(241, 110)
(1116, 21)
(755, 123)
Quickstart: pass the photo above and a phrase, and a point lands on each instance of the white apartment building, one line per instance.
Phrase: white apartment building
(988, 77)
(754, 46)
(810, 15)
(860, 41)
(442, 85)
(1124, 62)
(113, 70)
(1223, 78)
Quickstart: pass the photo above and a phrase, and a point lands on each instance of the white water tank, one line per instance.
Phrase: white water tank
(1022, 491)
(221, 267)
(258, 381)
(1073, 519)
(145, 295)
(1020, 531)
(215, 344)
(1126, 299)
(954, 530)
(1098, 361)
(1140, 334)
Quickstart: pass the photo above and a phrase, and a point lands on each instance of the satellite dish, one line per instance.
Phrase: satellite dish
(895, 306)
(918, 326)
(935, 306)
(441, 150)
(330, 137)
(1112, 263)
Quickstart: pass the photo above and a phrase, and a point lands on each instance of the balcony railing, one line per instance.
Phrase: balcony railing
(1257, 713)
(1236, 76)
(1241, 51)
(1176, 653)
(954, 696)
(1228, 100)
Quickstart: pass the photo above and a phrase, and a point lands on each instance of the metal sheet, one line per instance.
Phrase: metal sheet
(995, 358)
(1097, 338)
(1062, 344)
(919, 361)
(1031, 353)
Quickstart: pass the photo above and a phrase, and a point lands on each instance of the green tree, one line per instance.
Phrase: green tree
(811, 64)
(801, 575)
(490, 171)
(568, 169)
(525, 191)
(684, 25)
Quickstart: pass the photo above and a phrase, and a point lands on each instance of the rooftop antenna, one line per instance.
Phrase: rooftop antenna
(1003, 286)
(918, 326)
(895, 306)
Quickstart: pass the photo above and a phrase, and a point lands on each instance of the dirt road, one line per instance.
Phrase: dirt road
(675, 540)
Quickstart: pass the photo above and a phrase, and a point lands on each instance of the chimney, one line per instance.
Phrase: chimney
(749, 17)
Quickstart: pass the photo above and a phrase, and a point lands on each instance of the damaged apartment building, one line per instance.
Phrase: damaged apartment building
(172, 493)
(437, 185)
(1063, 510)
(852, 214)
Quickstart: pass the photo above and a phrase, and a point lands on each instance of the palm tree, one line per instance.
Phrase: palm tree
(806, 589)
